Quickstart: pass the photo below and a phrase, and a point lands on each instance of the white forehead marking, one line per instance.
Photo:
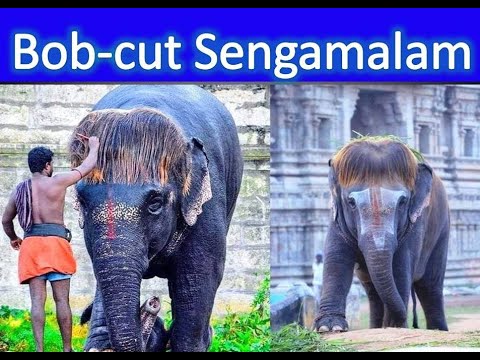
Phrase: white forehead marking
(119, 211)
(381, 220)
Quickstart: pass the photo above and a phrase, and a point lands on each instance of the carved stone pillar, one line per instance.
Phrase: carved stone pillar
(456, 142)
(416, 131)
(350, 97)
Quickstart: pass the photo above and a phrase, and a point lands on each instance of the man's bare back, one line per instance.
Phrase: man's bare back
(48, 194)
(48, 200)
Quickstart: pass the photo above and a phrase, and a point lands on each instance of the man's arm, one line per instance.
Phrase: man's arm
(69, 178)
(7, 222)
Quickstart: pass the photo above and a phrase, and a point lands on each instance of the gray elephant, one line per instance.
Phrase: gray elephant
(159, 203)
(391, 223)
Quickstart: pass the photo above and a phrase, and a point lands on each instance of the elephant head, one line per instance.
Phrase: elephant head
(149, 185)
(379, 190)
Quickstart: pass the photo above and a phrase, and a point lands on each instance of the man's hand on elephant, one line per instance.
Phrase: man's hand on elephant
(93, 142)
(331, 323)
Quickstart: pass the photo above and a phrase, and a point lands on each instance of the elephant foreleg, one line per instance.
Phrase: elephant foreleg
(192, 303)
(193, 280)
(337, 279)
(98, 337)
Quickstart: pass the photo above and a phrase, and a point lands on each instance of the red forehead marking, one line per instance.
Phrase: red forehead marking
(376, 206)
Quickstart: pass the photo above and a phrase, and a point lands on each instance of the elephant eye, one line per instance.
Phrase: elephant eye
(351, 201)
(403, 200)
(155, 206)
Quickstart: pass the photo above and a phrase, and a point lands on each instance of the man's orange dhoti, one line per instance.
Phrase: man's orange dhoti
(40, 255)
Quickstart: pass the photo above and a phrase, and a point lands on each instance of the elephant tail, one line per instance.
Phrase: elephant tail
(86, 314)
(414, 301)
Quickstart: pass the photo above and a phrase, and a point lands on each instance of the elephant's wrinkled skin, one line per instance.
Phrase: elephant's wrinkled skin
(391, 223)
(159, 204)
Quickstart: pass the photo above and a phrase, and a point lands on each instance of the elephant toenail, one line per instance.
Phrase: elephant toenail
(323, 329)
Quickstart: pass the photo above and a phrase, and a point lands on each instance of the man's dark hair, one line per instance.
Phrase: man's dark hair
(38, 157)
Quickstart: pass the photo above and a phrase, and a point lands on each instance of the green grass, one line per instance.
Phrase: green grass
(236, 332)
(473, 341)
(16, 332)
(294, 338)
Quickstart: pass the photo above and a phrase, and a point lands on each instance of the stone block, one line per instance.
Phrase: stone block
(263, 165)
(241, 282)
(253, 259)
(237, 98)
(241, 235)
(246, 107)
(17, 94)
(84, 95)
(25, 139)
(249, 165)
(267, 139)
(252, 209)
(248, 138)
(256, 236)
(59, 116)
(256, 153)
(16, 115)
(255, 183)
(259, 116)
(8, 181)
(235, 236)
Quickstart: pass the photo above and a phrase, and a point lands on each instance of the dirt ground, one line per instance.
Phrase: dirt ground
(463, 335)
(465, 322)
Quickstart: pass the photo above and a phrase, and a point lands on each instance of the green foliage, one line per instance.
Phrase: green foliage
(246, 332)
(235, 332)
(16, 332)
(359, 137)
(294, 338)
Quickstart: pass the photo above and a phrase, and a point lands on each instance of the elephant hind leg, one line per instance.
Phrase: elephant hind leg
(431, 299)
(376, 306)
(429, 288)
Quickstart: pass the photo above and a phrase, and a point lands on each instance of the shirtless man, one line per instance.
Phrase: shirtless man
(45, 252)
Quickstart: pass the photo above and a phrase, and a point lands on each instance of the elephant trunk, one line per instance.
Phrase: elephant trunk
(120, 279)
(380, 267)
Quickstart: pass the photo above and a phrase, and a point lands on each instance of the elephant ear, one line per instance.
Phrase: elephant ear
(198, 191)
(421, 193)
(334, 191)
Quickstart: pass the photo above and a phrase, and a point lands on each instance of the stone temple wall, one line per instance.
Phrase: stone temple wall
(310, 122)
(32, 115)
